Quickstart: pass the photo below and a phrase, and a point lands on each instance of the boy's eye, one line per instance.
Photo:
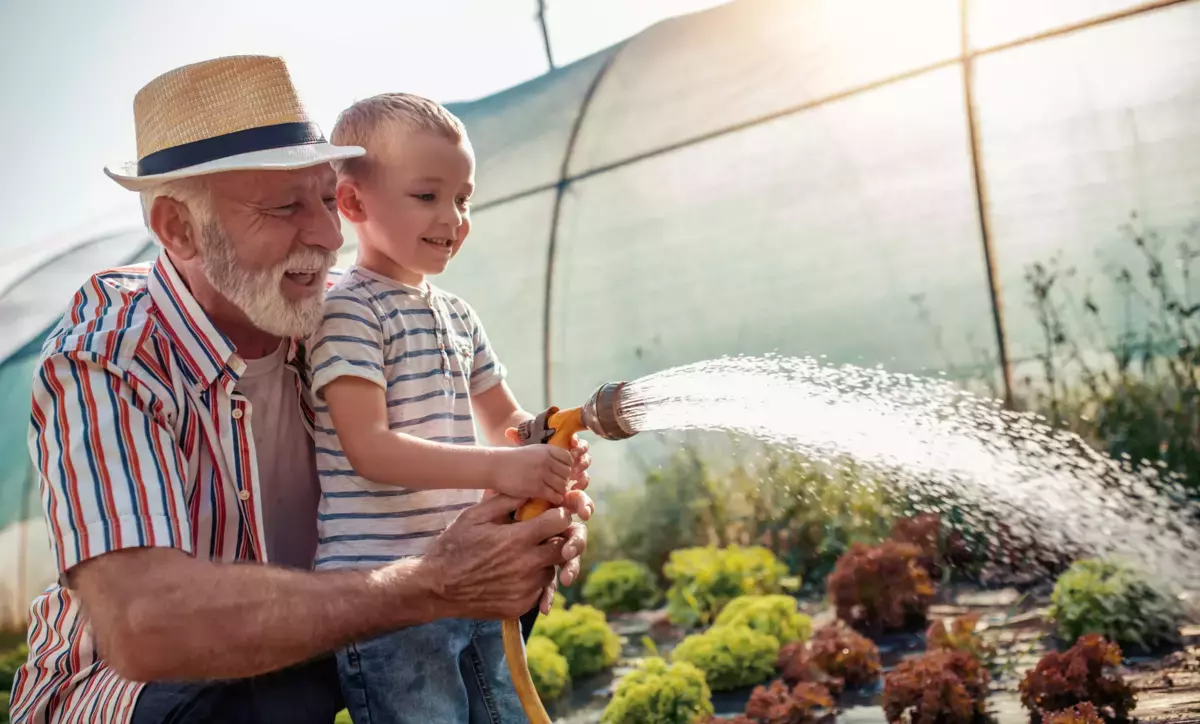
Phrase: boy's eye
(464, 202)
(425, 197)
(331, 202)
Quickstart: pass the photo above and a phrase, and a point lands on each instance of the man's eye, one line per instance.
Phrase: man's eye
(283, 210)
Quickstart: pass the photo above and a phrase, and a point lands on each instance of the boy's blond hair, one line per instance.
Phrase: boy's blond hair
(361, 125)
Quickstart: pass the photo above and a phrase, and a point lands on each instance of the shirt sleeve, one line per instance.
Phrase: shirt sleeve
(486, 369)
(349, 343)
(111, 471)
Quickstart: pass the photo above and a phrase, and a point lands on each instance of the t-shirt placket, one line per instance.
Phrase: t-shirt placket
(442, 333)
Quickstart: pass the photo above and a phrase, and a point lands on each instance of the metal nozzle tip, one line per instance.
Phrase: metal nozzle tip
(602, 413)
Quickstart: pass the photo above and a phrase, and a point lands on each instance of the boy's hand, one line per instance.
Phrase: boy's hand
(533, 472)
(579, 452)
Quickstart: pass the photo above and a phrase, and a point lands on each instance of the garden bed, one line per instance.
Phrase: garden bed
(1015, 623)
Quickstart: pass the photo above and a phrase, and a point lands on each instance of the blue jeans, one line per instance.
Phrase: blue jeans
(304, 694)
(451, 671)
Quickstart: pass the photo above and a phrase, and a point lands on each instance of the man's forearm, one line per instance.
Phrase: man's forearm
(180, 618)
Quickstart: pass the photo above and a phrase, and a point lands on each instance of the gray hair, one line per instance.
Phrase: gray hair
(191, 192)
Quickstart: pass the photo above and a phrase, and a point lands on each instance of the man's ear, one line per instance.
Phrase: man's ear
(350, 202)
(172, 222)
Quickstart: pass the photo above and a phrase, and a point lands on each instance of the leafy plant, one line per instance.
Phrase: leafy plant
(1115, 601)
(939, 687)
(777, 704)
(658, 693)
(582, 636)
(836, 657)
(1085, 673)
(960, 635)
(807, 512)
(941, 549)
(547, 667)
(10, 661)
(704, 580)
(842, 652)
(621, 586)
(773, 614)
(881, 588)
(730, 656)
(1083, 713)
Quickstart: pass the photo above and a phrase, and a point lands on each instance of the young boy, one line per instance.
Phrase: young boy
(402, 372)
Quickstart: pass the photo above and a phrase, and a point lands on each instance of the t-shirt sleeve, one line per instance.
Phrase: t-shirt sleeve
(349, 343)
(486, 370)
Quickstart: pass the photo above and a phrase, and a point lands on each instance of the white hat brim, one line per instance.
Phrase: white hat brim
(271, 159)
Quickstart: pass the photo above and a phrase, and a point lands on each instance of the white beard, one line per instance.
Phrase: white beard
(258, 293)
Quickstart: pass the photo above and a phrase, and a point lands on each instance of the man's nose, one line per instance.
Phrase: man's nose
(323, 229)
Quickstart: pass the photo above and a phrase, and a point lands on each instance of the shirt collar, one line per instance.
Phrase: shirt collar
(205, 351)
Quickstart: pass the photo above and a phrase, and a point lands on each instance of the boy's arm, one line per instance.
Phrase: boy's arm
(359, 411)
(498, 412)
(497, 407)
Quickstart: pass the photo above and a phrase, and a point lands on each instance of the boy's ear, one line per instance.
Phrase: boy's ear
(350, 202)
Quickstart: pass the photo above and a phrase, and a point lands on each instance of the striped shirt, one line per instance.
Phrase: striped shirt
(139, 439)
(428, 351)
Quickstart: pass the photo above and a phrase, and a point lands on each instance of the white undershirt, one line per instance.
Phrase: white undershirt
(287, 473)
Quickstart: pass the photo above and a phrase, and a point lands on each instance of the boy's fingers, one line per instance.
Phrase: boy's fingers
(550, 493)
(512, 435)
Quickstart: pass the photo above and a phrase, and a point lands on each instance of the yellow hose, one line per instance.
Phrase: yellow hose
(565, 424)
(518, 668)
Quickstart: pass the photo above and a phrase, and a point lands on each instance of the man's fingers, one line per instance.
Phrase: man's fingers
(548, 596)
(570, 571)
(547, 525)
(499, 507)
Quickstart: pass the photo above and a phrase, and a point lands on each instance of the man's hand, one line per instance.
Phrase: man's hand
(485, 567)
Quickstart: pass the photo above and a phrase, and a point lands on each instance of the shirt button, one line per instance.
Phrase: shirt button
(237, 414)
(244, 494)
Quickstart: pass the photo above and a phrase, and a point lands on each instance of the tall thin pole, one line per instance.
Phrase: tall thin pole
(981, 202)
(541, 15)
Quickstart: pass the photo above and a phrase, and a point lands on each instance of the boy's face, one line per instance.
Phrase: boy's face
(417, 200)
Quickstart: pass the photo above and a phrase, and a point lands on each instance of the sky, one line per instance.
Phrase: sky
(69, 70)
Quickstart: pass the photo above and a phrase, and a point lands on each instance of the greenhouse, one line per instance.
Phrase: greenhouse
(860, 180)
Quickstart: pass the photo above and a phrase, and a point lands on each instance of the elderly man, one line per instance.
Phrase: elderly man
(170, 427)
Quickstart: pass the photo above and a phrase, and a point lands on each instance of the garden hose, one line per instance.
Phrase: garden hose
(601, 415)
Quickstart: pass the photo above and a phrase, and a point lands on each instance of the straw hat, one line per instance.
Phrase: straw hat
(227, 114)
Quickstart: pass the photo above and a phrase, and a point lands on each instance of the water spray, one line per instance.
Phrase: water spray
(606, 415)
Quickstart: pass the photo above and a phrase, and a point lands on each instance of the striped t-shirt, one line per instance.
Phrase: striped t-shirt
(428, 351)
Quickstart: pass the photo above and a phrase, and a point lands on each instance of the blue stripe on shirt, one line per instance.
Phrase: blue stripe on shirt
(394, 515)
(353, 362)
(352, 537)
(367, 493)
